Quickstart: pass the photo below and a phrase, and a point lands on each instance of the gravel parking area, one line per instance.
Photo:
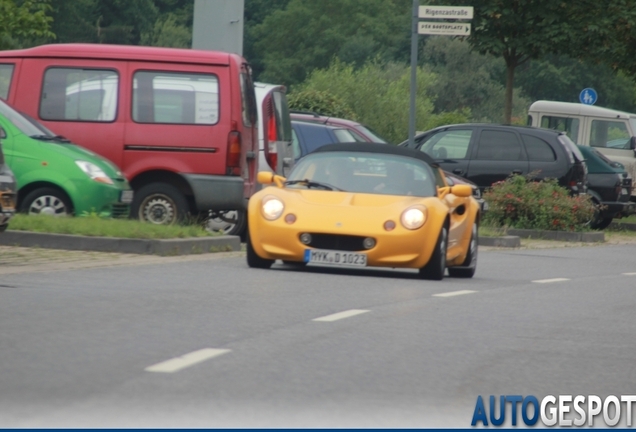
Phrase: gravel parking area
(23, 260)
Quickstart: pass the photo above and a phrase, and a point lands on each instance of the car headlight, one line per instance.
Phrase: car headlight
(94, 172)
(272, 207)
(413, 218)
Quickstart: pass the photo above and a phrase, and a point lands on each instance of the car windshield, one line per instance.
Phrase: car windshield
(364, 172)
(18, 120)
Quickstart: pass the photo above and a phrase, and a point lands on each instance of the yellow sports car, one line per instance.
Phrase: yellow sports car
(365, 205)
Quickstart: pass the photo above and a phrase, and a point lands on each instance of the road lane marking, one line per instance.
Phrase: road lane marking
(629, 274)
(551, 280)
(454, 293)
(186, 360)
(341, 315)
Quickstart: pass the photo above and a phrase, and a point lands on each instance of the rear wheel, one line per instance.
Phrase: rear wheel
(436, 266)
(228, 222)
(468, 267)
(599, 222)
(160, 204)
(253, 260)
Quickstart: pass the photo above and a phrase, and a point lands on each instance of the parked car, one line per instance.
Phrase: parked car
(365, 205)
(488, 153)
(275, 129)
(180, 123)
(609, 186)
(8, 189)
(359, 131)
(56, 177)
(308, 137)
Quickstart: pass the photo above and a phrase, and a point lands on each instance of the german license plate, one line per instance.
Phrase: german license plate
(330, 257)
(126, 196)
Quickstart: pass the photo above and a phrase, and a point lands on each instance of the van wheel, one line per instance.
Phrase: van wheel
(47, 201)
(228, 222)
(160, 204)
(436, 266)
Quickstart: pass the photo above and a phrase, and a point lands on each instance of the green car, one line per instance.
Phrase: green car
(56, 177)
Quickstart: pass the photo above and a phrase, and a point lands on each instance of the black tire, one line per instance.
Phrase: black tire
(255, 261)
(603, 223)
(159, 203)
(4, 227)
(599, 222)
(436, 266)
(230, 222)
(469, 266)
(47, 200)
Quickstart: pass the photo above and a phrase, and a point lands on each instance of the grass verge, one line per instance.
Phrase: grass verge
(98, 227)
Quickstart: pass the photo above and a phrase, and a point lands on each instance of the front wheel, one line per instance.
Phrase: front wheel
(253, 260)
(46, 201)
(160, 204)
(469, 266)
(436, 266)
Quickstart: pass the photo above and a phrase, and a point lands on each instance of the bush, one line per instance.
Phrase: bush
(520, 202)
(320, 102)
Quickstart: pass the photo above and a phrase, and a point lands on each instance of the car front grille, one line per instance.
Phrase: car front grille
(120, 210)
(337, 242)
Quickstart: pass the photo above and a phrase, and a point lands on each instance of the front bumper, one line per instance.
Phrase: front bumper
(617, 209)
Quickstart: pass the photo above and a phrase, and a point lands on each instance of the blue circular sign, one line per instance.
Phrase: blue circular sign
(588, 96)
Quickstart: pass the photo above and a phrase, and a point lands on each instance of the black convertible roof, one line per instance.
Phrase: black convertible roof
(378, 148)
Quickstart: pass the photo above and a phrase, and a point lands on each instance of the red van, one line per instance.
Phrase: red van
(180, 123)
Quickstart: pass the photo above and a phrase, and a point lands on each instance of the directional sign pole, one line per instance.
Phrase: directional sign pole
(414, 39)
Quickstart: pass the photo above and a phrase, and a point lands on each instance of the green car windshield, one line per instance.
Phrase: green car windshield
(19, 121)
(364, 172)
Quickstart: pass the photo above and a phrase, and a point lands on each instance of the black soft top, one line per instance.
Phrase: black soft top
(378, 148)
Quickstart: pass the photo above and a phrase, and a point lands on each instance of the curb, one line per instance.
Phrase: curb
(503, 241)
(585, 237)
(185, 246)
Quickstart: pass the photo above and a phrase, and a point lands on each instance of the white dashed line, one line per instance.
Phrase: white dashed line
(341, 315)
(186, 360)
(551, 280)
(454, 293)
(629, 274)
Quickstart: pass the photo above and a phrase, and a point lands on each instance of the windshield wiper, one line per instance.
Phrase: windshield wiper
(59, 138)
(310, 184)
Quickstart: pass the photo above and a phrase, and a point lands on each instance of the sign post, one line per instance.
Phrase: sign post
(448, 27)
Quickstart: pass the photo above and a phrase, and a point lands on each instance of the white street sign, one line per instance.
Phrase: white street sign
(446, 12)
(443, 28)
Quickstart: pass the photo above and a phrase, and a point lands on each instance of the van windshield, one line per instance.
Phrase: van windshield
(18, 120)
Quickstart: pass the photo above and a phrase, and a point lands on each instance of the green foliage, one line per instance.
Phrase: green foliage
(378, 95)
(520, 202)
(95, 226)
(307, 35)
(23, 19)
(167, 32)
(320, 102)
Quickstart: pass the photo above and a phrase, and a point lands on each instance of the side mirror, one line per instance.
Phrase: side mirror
(462, 191)
(266, 177)
(632, 143)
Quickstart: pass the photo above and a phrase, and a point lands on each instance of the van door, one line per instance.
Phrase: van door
(497, 155)
(77, 99)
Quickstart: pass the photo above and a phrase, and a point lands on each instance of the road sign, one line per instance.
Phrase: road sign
(446, 12)
(443, 28)
(588, 96)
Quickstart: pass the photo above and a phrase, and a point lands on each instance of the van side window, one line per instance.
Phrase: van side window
(6, 72)
(451, 144)
(499, 145)
(568, 125)
(79, 94)
(610, 134)
(537, 149)
(176, 98)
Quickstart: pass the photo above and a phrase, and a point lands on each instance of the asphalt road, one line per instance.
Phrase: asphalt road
(208, 342)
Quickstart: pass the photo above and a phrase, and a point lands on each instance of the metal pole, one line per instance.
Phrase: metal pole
(414, 40)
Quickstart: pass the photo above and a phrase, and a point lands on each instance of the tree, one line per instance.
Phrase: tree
(26, 19)
(308, 34)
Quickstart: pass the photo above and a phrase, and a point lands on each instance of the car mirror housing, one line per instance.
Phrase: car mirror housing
(463, 191)
(266, 177)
